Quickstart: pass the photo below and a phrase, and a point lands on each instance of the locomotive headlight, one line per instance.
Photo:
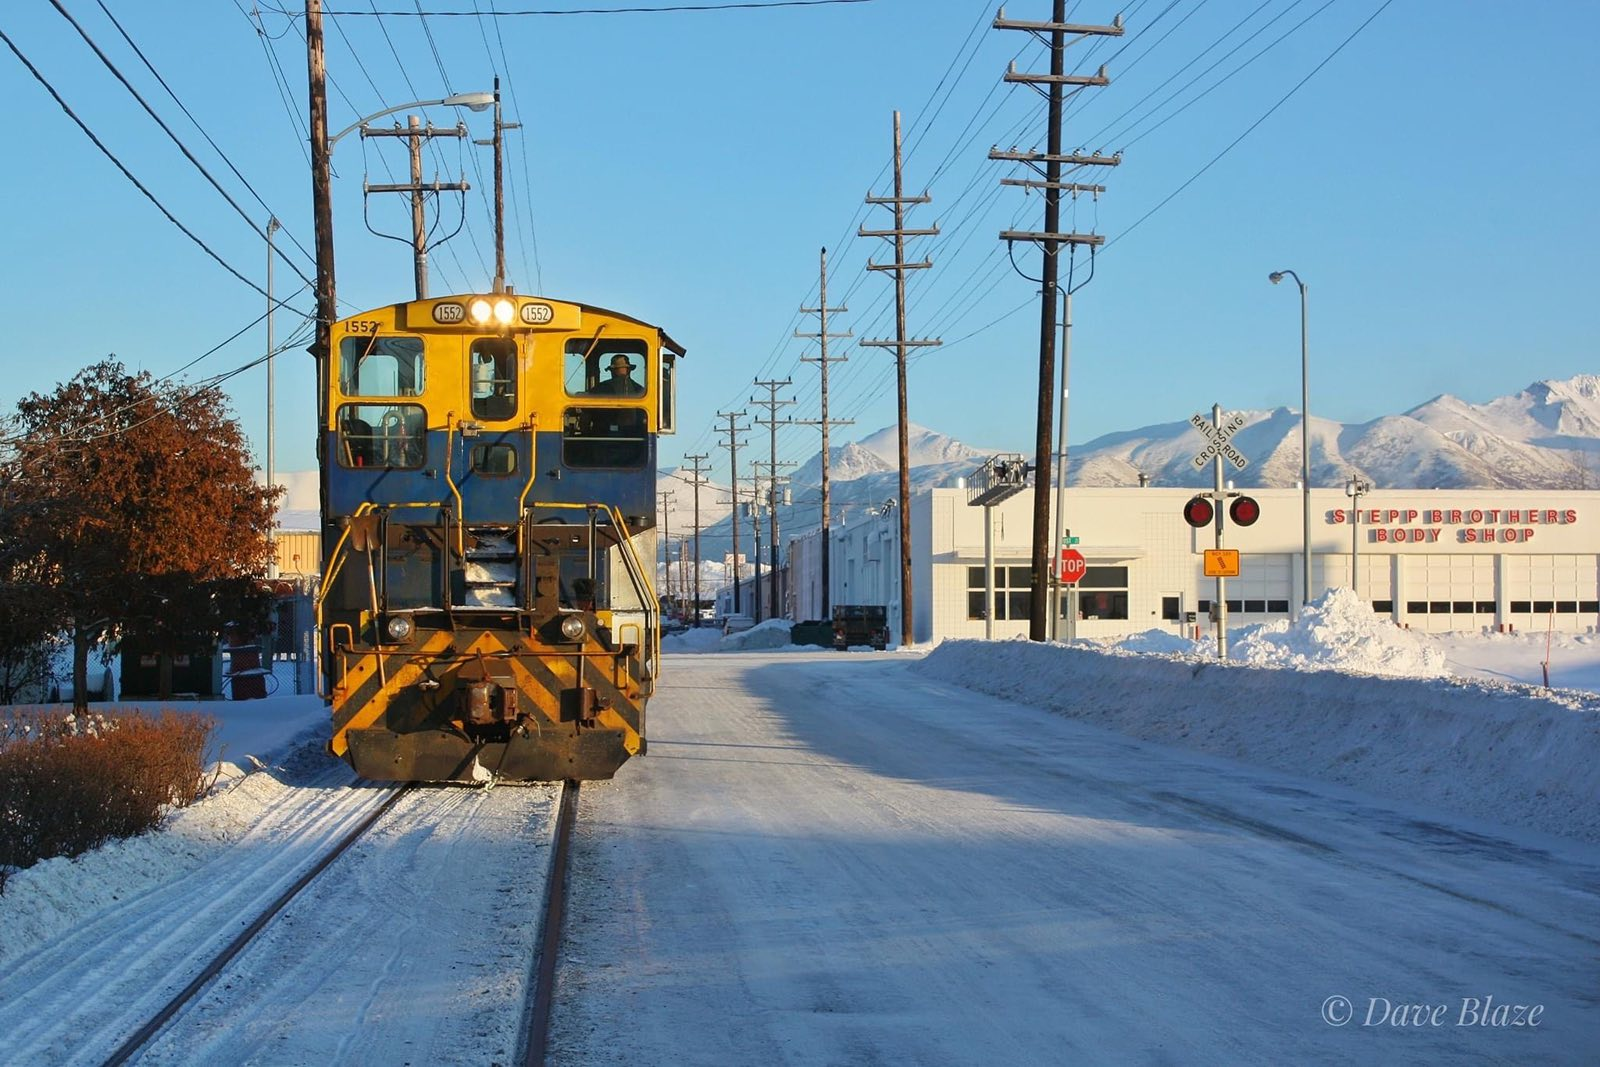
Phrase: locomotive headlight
(481, 311)
(572, 627)
(400, 627)
(504, 312)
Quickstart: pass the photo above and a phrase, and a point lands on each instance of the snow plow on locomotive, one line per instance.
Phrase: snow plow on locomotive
(488, 608)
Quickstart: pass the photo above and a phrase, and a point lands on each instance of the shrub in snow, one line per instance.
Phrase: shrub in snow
(69, 783)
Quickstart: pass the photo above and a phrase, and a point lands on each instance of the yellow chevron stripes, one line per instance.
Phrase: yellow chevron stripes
(363, 699)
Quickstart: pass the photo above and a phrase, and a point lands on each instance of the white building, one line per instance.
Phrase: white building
(1429, 559)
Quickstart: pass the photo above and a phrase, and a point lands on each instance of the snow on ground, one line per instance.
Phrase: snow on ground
(1453, 720)
(1345, 696)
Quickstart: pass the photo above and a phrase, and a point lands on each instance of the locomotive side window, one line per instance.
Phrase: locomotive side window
(604, 437)
(494, 378)
(382, 435)
(381, 366)
(598, 366)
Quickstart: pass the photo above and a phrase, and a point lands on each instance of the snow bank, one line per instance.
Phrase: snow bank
(763, 637)
(1340, 632)
(1311, 699)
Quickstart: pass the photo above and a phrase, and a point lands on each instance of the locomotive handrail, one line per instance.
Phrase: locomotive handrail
(449, 479)
(634, 564)
(522, 497)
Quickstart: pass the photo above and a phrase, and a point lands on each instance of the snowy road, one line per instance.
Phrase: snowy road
(832, 860)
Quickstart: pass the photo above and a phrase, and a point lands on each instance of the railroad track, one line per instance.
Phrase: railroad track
(535, 1027)
(142, 1036)
(537, 1030)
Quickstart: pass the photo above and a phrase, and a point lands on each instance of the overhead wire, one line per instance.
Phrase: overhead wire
(196, 123)
(122, 79)
(126, 173)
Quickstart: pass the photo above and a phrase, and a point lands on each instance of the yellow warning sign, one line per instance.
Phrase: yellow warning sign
(1222, 563)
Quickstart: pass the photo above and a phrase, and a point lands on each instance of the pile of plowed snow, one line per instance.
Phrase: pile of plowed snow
(1340, 694)
(1340, 632)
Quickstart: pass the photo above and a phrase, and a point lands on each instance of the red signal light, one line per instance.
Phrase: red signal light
(1244, 511)
(1198, 512)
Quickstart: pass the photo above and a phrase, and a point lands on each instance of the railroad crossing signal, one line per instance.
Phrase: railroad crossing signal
(1217, 441)
(1073, 566)
(1198, 512)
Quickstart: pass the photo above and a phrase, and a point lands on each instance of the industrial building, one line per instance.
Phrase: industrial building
(1433, 560)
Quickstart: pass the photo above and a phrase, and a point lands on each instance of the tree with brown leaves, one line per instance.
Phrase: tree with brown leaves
(138, 495)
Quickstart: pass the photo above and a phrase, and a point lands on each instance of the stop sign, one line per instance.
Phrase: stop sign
(1072, 566)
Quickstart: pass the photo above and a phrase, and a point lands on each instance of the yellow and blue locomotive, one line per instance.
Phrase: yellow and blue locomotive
(488, 608)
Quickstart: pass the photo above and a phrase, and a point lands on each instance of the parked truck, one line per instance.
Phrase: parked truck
(860, 624)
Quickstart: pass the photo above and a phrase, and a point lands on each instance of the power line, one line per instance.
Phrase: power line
(752, 5)
(196, 123)
(126, 173)
(1265, 115)
(112, 67)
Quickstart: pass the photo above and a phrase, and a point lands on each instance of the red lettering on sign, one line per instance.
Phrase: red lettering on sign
(1572, 516)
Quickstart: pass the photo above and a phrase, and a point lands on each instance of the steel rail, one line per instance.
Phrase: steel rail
(143, 1035)
(538, 1031)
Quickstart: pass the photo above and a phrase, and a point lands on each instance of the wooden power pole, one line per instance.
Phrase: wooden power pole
(1050, 239)
(772, 422)
(697, 481)
(822, 336)
(732, 445)
(900, 344)
(415, 133)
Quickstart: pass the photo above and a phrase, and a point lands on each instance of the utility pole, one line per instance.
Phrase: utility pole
(321, 208)
(899, 234)
(415, 134)
(272, 226)
(755, 529)
(697, 481)
(1050, 239)
(774, 571)
(666, 540)
(772, 422)
(498, 141)
(733, 431)
(822, 310)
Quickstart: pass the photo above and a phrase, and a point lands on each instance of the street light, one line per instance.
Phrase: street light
(1305, 437)
(1355, 489)
(470, 101)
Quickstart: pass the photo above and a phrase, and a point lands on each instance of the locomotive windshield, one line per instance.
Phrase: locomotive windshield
(381, 366)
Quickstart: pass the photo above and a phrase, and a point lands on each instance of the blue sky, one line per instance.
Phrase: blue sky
(1432, 183)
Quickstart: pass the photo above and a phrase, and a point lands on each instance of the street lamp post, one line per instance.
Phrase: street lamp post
(1305, 437)
(1355, 489)
(470, 101)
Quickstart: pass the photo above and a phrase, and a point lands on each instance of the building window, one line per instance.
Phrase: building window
(1169, 608)
(1521, 607)
(1256, 607)
(1280, 607)
(1416, 607)
(1543, 607)
(1102, 594)
(1589, 607)
(1013, 592)
(1383, 607)
(1485, 607)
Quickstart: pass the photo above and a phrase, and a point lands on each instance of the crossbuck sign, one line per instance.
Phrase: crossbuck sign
(1217, 441)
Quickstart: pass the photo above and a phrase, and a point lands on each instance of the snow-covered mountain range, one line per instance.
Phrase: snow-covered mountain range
(1545, 437)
